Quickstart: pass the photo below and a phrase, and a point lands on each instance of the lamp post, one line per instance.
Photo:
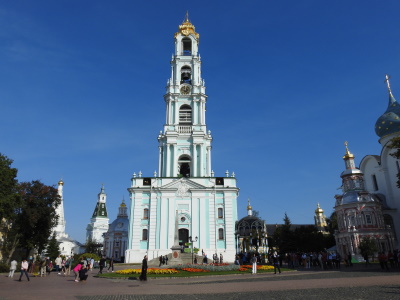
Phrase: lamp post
(191, 241)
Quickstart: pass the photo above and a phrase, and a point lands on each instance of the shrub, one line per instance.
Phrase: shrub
(4, 268)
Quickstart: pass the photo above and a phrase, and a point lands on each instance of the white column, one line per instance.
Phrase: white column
(167, 161)
(176, 117)
(204, 113)
(194, 160)
(195, 112)
(208, 160)
(159, 160)
(173, 162)
(201, 153)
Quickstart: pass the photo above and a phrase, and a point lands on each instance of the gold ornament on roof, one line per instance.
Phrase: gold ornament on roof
(319, 210)
(348, 154)
(61, 182)
(187, 28)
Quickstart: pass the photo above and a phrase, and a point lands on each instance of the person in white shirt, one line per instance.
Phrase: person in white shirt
(13, 267)
(24, 269)
(58, 262)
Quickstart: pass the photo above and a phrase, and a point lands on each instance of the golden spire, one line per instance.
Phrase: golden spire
(348, 154)
(187, 28)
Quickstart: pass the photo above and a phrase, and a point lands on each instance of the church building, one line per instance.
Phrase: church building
(99, 222)
(116, 238)
(184, 199)
(370, 204)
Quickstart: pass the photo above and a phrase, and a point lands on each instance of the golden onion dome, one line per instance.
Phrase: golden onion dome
(319, 210)
(187, 28)
(61, 182)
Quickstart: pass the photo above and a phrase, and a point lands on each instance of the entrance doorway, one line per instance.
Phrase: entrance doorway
(183, 236)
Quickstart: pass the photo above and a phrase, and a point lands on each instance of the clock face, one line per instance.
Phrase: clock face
(185, 90)
(120, 225)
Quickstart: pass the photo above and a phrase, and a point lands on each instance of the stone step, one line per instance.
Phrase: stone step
(186, 259)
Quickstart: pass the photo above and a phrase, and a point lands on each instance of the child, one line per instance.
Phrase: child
(82, 274)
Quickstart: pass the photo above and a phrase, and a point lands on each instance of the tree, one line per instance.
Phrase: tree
(37, 215)
(395, 144)
(284, 237)
(53, 248)
(93, 247)
(368, 246)
(10, 202)
(332, 223)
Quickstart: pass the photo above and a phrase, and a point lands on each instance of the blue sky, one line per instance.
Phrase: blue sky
(82, 85)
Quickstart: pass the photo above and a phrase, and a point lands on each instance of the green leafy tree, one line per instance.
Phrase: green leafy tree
(10, 203)
(332, 223)
(368, 246)
(93, 247)
(395, 144)
(37, 215)
(53, 248)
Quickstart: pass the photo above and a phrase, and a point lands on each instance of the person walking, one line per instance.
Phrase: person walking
(24, 269)
(111, 265)
(43, 267)
(58, 262)
(102, 264)
(13, 267)
(143, 275)
(254, 263)
(275, 259)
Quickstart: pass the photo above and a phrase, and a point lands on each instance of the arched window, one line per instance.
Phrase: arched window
(144, 235)
(220, 213)
(221, 234)
(184, 165)
(145, 213)
(186, 75)
(187, 46)
(185, 115)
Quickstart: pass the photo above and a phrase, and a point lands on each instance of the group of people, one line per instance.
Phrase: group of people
(163, 260)
(61, 265)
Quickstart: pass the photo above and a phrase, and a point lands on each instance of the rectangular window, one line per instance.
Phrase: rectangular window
(221, 234)
(368, 219)
(219, 181)
(375, 182)
(145, 213)
(144, 235)
(146, 181)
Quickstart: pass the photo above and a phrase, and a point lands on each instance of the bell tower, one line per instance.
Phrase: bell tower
(185, 144)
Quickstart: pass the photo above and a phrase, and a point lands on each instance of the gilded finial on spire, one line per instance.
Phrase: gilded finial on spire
(348, 153)
(187, 17)
(388, 84)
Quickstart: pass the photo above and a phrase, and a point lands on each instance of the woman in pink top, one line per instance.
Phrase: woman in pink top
(24, 269)
(76, 271)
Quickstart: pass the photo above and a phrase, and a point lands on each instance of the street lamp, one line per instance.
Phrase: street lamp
(191, 241)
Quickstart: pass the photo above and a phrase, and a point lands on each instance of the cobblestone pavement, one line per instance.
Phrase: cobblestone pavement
(357, 283)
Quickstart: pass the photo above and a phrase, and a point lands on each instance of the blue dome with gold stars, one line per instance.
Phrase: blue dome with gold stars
(389, 122)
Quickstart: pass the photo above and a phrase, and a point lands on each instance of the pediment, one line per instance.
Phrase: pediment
(183, 182)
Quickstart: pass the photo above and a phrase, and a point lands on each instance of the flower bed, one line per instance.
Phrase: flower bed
(244, 268)
(211, 267)
(149, 271)
(194, 270)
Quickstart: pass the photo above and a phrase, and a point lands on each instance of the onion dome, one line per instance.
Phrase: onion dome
(319, 210)
(61, 182)
(187, 28)
(389, 122)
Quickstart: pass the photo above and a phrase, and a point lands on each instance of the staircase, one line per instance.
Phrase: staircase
(186, 259)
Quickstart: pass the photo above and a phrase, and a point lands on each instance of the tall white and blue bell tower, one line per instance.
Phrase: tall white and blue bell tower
(183, 199)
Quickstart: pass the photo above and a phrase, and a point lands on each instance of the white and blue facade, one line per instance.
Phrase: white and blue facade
(184, 186)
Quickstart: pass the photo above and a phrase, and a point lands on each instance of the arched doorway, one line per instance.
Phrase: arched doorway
(183, 236)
